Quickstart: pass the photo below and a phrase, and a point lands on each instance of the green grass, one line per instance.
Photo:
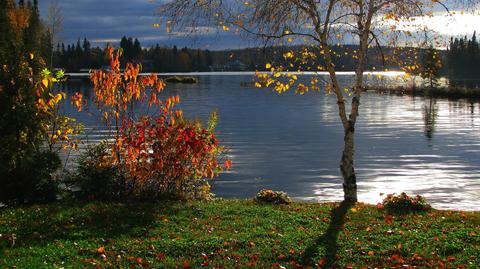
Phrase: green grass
(234, 234)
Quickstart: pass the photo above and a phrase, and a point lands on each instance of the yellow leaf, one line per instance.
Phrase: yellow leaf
(45, 83)
(268, 66)
(58, 97)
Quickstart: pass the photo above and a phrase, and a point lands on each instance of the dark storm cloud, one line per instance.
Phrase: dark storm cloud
(104, 21)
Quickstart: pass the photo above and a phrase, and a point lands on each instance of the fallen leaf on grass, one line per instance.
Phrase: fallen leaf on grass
(388, 219)
(160, 256)
(101, 250)
(281, 257)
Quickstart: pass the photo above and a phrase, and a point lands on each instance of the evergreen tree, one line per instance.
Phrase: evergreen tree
(137, 50)
(24, 168)
(463, 56)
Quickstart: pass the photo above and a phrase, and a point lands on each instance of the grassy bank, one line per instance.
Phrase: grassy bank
(229, 234)
(449, 92)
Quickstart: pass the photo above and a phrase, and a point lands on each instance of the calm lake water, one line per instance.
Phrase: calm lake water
(293, 143)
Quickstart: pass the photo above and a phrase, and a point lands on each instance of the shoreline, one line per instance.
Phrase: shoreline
(454, 93)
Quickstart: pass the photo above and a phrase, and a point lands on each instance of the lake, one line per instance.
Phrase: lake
(293, 143)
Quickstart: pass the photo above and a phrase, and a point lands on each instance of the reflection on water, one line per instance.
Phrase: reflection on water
(293, 143)
(429, 117)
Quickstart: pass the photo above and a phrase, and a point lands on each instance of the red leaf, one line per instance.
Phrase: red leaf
(204, 256)
(388, 219)
(160, 256)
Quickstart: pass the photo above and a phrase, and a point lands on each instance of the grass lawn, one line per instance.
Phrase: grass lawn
(234, 234)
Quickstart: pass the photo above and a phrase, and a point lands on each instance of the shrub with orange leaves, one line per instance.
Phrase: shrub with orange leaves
(157, 156)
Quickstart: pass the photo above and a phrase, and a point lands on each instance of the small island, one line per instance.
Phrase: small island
(182, 80)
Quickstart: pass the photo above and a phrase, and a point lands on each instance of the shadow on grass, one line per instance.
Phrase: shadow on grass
(329, 240)
(88, 221)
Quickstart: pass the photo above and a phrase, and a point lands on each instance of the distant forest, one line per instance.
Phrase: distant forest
(462, 61)
(81, 56)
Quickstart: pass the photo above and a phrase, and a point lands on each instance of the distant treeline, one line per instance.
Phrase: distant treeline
(460, 61)
(463, 58)
(78, 56)
(82, 55)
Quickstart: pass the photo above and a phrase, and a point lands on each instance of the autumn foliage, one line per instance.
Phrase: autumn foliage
(272, 197)
(405, 203)
(160, 155)
(59, 131)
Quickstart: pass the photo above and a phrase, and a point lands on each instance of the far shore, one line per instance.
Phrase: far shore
(236, 73)
(438, 92)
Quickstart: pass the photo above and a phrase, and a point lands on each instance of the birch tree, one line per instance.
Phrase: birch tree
(322, 23)
(54, 24)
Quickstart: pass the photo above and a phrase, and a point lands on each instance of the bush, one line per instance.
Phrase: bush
(405, 203)
(96, 176)
(155, 157)
(158, 161)
(35, 179)
(169, 157)
(272, 197)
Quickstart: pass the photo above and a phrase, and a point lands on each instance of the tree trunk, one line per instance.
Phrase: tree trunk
(346, 166)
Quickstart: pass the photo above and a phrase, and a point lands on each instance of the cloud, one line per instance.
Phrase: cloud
(453, 24)
(108, 20)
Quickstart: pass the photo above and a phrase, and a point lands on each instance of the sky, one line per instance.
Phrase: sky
(103, 21)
